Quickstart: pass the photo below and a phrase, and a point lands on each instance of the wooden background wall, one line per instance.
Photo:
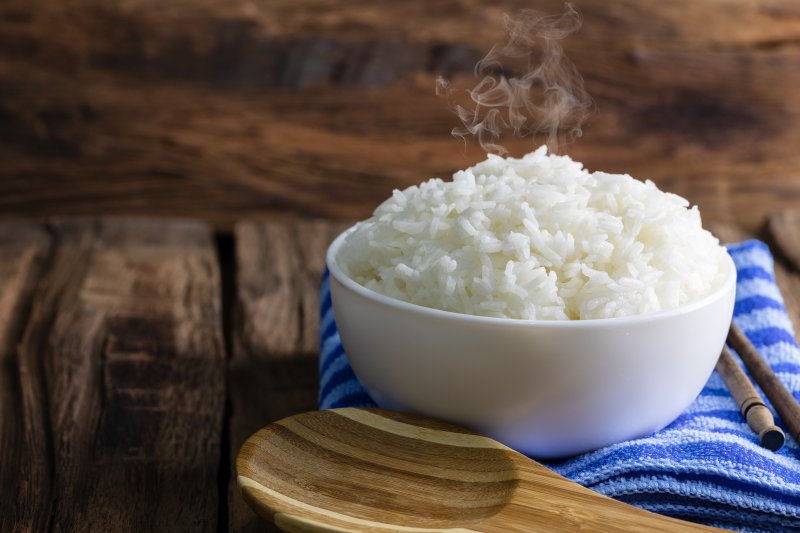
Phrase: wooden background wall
(228, 109)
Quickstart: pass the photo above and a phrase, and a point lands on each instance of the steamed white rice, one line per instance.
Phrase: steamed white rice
(535, 238)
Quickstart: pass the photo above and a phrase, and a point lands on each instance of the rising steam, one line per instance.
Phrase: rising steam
(547, 99)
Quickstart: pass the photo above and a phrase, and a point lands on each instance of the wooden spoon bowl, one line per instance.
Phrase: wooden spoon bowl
(377, 470)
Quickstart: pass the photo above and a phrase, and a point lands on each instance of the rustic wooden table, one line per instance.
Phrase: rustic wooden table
(138, 354)
(226, 110)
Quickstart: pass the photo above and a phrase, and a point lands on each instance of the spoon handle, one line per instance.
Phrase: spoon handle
(555, 503)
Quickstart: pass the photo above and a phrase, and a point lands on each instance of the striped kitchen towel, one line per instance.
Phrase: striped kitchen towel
(707, 465)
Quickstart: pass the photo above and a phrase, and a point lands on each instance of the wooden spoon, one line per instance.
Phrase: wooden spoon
(376, 470)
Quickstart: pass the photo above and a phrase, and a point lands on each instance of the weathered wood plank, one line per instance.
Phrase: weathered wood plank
(273, 372)
(224, 110)
(24, 253)
(120, 382)
(783, 237)
(728, 233)
(279, 267)
(784, 229)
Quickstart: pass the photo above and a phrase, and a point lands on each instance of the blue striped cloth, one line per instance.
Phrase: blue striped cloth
(706, 466)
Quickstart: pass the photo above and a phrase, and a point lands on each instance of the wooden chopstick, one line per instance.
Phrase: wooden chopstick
(780, 397)
(753, 408)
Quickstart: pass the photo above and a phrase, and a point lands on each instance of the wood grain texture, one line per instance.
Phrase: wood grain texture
(24, 253)
(279, 272)
(784, 230)
(364, 470)
(320, 108)
(273, 372)
(115, 373)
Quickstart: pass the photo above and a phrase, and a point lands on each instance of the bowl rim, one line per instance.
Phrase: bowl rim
(728, 285)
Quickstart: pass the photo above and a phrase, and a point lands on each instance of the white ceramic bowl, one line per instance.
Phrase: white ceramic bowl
(546, 388)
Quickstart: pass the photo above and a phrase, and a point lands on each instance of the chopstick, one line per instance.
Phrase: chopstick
(780, 397)
(753, 408)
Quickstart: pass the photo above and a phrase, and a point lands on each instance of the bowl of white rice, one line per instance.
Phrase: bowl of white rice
(554, 309)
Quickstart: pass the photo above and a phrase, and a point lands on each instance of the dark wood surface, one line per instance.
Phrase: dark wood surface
(113, 377)
(112, 332)
(224, 110)
(114, 370)
(273, 368)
